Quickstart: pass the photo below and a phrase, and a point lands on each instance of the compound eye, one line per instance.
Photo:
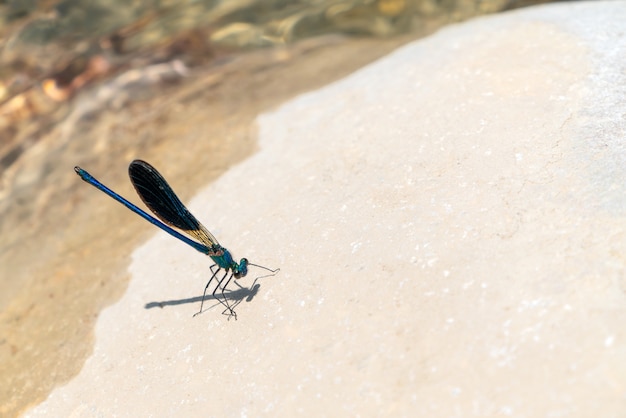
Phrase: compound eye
(243, 267)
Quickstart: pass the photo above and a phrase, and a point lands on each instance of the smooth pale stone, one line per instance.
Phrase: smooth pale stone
(450, 227)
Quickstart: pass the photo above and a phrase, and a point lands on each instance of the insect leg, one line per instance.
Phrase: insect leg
(206, 287)
(223, 301)
(232, 312)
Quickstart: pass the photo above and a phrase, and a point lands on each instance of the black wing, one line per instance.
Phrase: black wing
(163, 202)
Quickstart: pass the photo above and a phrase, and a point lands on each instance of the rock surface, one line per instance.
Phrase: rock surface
(450, 224)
